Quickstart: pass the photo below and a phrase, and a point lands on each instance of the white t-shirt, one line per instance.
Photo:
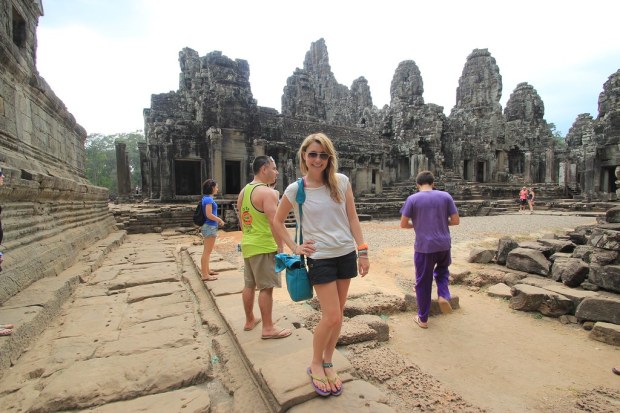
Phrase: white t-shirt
(324, 220)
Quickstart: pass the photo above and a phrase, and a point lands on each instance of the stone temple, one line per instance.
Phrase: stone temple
(212, 127)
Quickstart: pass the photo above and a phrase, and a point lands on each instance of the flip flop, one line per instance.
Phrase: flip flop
(256, 322)
(333, 380)
(444, 305)
(210, 278)
(317, 389)
(214, 273)
(616, 370)
(285, 332)
(419, 322)
(6, 332)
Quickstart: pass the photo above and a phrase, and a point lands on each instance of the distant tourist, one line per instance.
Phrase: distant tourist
(530, 199)
(334, 245)
(257, 204)
(522, 199)
(430, 213)
(209, 228)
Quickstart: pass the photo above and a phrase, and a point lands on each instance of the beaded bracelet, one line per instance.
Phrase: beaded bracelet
(363, 246)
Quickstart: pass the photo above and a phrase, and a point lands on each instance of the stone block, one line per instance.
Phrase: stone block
(528, 260)
(605, 309)
(606, 332)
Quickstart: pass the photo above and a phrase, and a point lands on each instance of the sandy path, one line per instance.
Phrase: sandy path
(496, 358)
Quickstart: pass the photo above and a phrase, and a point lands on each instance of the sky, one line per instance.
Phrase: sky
(105, 58)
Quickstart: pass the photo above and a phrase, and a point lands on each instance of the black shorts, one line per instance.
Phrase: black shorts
(524, 202)
(331, 269)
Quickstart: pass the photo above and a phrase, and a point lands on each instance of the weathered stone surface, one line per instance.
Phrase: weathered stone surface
(606, 277)
(568, 319)
(505, 245)
(499, 290)
(613, 215)
(373, 303)
(546, 250)
(512, 278)
(353, 332)
(528, 260)
(606, 332)
(558, 245)
(529, 298)
(559, 256)
(376, 323)
(103, 380)
(481, 255)
(599, 309)
(595, 255)
(606, 239)
(576, 295)
(571, 271)
(188, 400)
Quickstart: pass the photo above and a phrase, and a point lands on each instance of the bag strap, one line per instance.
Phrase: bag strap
(300, 198)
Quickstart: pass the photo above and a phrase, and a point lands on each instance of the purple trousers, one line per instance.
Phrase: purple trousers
(429, 266)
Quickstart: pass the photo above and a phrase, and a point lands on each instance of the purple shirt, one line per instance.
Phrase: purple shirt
(429, 212)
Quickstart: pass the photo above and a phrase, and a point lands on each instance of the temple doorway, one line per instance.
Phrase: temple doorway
(608, 179)
(187, 178)
(232, 177)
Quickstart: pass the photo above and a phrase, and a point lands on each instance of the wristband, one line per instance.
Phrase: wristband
(363, 246)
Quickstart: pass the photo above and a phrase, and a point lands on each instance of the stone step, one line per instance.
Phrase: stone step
(32, 308)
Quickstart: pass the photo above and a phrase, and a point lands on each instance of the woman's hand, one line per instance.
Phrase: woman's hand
(221, 222)
(363, 264)
(307, 248)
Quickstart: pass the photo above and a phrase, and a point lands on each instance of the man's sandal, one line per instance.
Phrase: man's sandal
(6, 332)
(333, 380)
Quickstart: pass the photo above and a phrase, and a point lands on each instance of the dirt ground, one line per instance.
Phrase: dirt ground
(496, 358)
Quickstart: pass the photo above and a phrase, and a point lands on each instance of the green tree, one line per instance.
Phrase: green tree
(557, 136)
(101, 158)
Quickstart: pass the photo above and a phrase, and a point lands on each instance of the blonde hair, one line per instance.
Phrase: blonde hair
(329, 174)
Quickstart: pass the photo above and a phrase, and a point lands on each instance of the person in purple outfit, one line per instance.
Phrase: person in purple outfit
(429, 213)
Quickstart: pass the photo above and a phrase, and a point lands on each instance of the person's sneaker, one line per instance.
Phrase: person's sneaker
(444, 305)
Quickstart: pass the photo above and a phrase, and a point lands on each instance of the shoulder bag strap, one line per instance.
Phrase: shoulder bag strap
(300, 198)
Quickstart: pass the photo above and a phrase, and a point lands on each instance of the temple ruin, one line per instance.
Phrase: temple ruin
(213, 127)
(49, 210)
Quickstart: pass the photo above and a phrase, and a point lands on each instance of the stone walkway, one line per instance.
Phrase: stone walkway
(139, 331)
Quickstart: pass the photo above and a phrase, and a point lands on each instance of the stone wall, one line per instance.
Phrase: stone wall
(49, 211)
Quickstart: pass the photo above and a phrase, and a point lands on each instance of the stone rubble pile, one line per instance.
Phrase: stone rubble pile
(577, 274)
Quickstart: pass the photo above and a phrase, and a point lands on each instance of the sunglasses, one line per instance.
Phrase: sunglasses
(324, 156)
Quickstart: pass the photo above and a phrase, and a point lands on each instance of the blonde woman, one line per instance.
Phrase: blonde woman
(333, 244)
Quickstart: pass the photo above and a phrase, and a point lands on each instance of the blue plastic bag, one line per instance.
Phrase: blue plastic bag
(297, 281)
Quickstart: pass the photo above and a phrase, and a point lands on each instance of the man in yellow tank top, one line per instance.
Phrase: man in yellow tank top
(257, 204)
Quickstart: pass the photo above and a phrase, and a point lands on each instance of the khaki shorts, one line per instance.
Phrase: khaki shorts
(260, 272)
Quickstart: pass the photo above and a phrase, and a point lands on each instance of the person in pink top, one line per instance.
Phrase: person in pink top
(522, 199)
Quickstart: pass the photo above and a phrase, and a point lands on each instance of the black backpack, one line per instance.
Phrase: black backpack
(199, 214)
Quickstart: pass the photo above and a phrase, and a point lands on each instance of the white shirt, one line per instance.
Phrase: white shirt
(324, 220)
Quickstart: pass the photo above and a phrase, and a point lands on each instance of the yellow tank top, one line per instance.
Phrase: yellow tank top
(257, 237)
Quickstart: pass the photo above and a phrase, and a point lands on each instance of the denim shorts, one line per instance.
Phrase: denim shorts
(331, 269)
(209, 231)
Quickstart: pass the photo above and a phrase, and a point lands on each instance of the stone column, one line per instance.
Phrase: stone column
(549, 166)
(527, 167)
(165, 173)
(122, 170)
(145, 181)
(214, 137)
